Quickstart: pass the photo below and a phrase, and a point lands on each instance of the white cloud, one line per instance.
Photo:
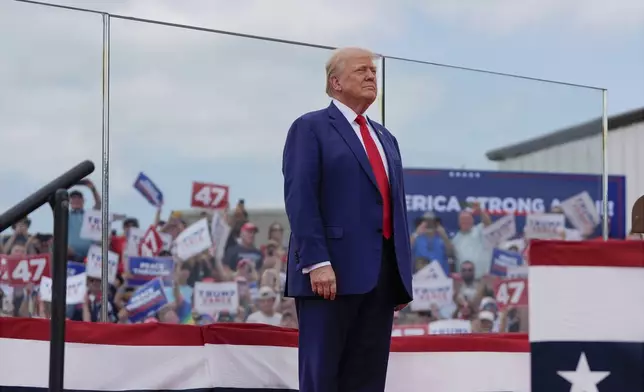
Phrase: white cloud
(510, 16)
(190, 105)
(185, 105)
(330, 22)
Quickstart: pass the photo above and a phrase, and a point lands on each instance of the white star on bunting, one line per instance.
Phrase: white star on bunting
(583, 379)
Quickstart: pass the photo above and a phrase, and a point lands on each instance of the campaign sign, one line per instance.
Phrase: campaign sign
(573, 235)
(211, 196)
(446, 192)
(95, 264)
(149, 190)
(134, 238)
(517, 272)
(409, 330)
(580, 212)
(450, 327)
(193, 240)
(499, 231)
(432, 292)
(74, 268)
(502, 260)
(146, 301)
(151, 244)
(20, 270)
(76, 289)
(144, 269)
(432, 271)
(511, 292)
(210, 297)
(545, 226)
(253, 290)
(91, 227)
(219, 232)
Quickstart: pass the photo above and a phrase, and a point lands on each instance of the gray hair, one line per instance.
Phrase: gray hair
(335, 64)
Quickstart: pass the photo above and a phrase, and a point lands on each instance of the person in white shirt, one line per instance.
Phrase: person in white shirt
(266, 314)
(468, 242)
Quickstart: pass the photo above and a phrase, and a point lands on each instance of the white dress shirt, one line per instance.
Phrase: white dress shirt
(350, 115)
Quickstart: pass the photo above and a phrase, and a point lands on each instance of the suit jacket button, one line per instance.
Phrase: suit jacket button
(379, 231)
(379, 202)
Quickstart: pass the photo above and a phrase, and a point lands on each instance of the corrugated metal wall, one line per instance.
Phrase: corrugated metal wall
(625, 157)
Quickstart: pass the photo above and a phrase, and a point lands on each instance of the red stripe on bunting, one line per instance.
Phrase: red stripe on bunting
(624, 253)
(158, 334)
(249, 335)
(462, 343)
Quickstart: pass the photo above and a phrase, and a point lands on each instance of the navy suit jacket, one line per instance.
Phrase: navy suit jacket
(334, 206)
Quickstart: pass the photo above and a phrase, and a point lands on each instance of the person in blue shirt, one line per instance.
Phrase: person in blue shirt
(431, 242)
(80, 246)
(183, 301)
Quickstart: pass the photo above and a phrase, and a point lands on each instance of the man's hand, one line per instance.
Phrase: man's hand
(422, 228)
(323, 282)
(21, 228)
(89, 184)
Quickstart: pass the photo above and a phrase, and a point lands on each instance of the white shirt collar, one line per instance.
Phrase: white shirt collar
(346, 111)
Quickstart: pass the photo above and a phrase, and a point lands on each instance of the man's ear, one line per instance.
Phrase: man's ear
(335, 84)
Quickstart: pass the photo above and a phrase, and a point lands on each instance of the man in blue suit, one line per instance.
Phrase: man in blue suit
(349, 261)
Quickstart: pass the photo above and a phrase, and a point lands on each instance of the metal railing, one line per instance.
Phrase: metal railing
(56, 195)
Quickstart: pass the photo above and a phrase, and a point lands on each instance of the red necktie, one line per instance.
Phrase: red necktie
(379, 172)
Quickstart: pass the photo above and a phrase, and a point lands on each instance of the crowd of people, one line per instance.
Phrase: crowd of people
(463, 260)
(456, 288)
(255, 264)
(480, 257)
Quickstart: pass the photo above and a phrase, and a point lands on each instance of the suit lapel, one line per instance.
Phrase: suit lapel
(339, 122)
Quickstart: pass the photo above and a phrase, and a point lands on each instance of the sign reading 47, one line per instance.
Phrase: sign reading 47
(20, 270)
(511, 292)
(211, 196)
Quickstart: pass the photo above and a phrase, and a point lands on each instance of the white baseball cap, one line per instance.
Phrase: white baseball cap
(486, 315)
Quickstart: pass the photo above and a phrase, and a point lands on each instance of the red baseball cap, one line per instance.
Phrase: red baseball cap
(248, 226)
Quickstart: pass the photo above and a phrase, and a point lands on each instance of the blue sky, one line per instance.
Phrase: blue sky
(192, 106)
